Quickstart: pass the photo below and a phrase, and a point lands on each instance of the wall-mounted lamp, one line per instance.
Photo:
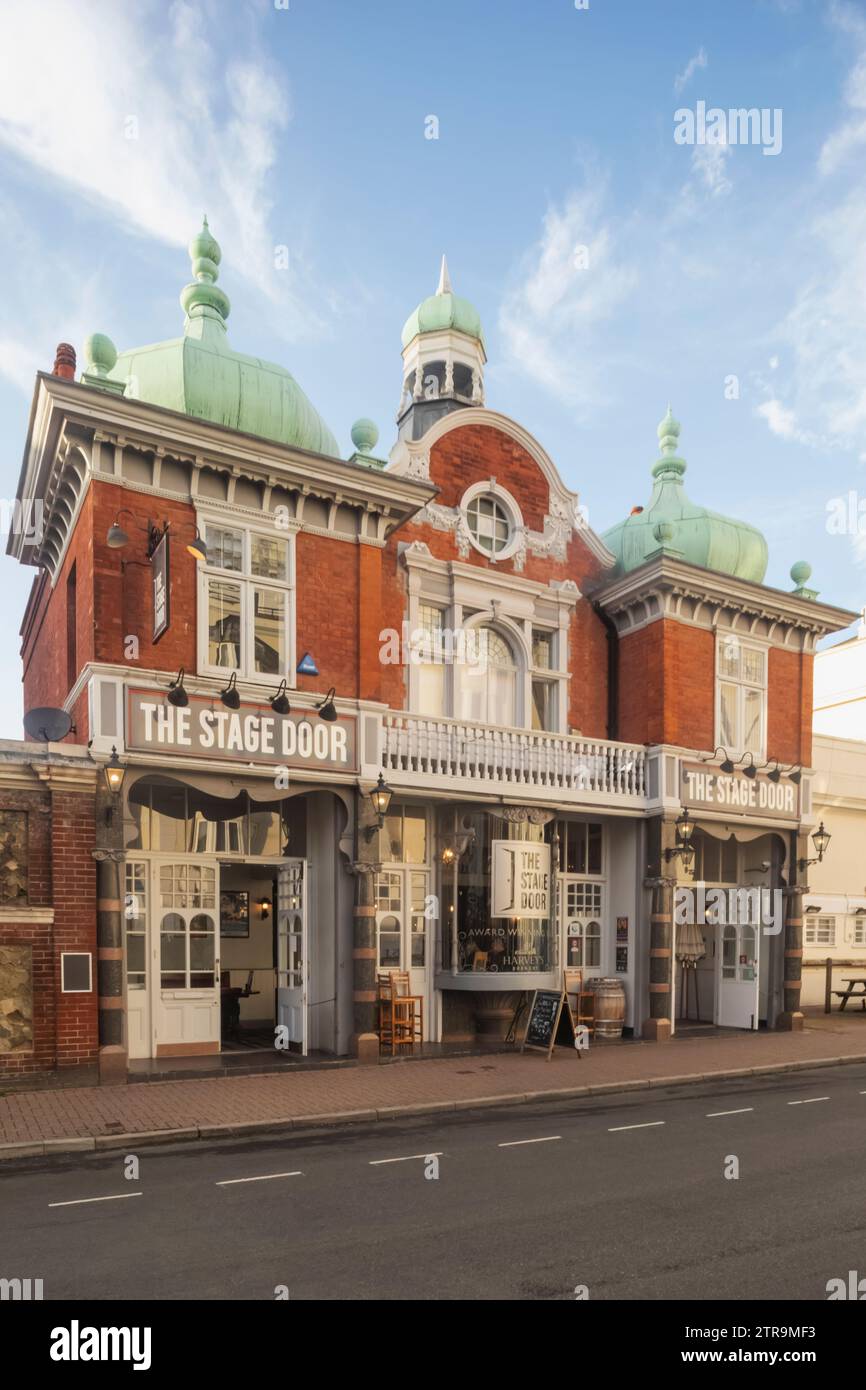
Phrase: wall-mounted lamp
(455, 846)
(230, 697)
(380, 795)
(327, 709)
(116, 538)
(683, 848)
(775, 775)
(177, 696)
(820, 840)
(279, 702)
(264, 906)
(114, 772)
(752, 769)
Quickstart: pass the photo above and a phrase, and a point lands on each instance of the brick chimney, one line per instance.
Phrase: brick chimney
(64, 361)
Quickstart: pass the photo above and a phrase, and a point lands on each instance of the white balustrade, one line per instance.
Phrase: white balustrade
(457, 751)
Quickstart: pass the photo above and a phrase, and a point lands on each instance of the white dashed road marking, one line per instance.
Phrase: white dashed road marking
(615, 1129)
(513, 1143)
(714, 1114)
(265, 1177)
(81, 1201)
(812, 1100)
(375, 1162)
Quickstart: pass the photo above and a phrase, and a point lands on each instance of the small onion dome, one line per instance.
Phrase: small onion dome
(443, 310)
(365, 435)
(672, 520)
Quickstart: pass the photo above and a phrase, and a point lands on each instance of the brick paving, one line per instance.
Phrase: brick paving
(278, 1097)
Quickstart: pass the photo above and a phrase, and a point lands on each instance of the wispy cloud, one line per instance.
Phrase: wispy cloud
(159, 130)
(568, 286)
(691, 67)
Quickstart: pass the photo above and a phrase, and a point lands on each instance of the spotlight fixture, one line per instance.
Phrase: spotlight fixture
(327, 709)
(775, 775)
(177, 696)
(752, 769)
(796, 775)
(196, 547)
(117, 538)
(279, 702)
(230, 697)
(726, 765)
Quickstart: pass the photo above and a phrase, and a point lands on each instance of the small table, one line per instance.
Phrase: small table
(850, 992)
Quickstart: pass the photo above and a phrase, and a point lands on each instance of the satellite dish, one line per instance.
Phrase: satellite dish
(47, 725)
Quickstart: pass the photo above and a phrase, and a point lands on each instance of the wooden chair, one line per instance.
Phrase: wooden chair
(583, 1005)
(400, 1023)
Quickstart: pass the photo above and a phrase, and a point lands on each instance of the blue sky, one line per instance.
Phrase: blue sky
(304, 128)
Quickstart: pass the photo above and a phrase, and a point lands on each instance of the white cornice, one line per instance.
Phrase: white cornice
(670, 588)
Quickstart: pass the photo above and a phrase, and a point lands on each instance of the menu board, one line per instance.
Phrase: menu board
(549, 1022)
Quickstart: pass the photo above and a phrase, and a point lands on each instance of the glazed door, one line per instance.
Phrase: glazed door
(136, 959)
(403, 929)
(737, 960)
(184, 958)
(292, 960)
(582, 904)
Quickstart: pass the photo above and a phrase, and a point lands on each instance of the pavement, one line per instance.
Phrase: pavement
(738, 1189)
(33, 1123)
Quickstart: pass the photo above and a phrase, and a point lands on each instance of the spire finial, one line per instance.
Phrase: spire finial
(444, 286)
(202, 298)
(669, 435)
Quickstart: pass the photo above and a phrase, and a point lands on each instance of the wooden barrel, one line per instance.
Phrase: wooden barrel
(609, 1007)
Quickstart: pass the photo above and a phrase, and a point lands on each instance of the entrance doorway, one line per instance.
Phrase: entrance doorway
(172, 957)
(403, 929)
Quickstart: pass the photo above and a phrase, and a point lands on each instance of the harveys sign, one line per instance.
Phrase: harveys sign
(708, 789)
(251, 734)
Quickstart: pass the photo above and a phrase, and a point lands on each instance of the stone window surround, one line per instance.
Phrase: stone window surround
(514, 606)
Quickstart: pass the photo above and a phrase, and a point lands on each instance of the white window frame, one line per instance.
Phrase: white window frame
(489, 488)
(247, 583)
(813, 921)
(858, 929)
(723, 639)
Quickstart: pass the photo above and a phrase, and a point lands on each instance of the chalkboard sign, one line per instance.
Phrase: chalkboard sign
(549, 1023)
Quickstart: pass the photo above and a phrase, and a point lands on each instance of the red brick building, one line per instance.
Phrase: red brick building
(261, 630)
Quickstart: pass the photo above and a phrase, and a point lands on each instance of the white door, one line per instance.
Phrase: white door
(292, 963)
(738, 945)
(582, 904)
(184, 958)
(403, 930)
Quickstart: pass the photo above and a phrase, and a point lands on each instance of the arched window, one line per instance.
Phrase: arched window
(487, 686)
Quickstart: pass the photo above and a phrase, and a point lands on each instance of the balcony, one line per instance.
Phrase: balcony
(450, 754)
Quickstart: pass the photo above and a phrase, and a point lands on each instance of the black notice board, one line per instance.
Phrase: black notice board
(549, 1023)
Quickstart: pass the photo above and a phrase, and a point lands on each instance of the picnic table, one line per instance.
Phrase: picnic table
(852, 993)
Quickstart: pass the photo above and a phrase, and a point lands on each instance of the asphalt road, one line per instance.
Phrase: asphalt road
(623, 1194)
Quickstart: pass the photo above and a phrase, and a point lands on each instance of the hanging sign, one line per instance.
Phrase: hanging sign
(161, 587)
(521, 879)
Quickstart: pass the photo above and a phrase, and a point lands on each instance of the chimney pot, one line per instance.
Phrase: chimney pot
(64, 361)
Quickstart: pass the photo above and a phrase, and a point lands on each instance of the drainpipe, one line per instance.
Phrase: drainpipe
(612, 672)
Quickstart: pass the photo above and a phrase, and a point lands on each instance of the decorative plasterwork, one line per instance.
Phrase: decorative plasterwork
(682, 593)
(410, 458)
